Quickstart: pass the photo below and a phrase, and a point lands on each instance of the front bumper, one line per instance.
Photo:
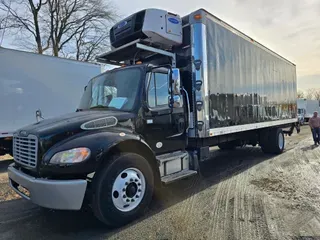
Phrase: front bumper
(54, 194)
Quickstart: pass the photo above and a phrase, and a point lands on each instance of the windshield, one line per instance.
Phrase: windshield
(116, 90)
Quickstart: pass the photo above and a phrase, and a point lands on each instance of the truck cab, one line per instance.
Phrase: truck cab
(127, 137)
(147, 98)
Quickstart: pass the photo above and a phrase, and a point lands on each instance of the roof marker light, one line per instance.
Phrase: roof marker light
(197, 16)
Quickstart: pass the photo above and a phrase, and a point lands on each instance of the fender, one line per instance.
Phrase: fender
(135, 144)
(101, 143)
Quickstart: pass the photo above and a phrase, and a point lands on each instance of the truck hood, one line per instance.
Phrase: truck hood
(71, 122)
(57, 130)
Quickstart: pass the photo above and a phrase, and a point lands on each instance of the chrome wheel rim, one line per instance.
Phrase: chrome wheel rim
(128, 189)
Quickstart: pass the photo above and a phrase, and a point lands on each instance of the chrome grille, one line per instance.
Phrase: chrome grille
(25, 150)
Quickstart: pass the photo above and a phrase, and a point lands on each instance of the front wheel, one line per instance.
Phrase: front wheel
(123, 189)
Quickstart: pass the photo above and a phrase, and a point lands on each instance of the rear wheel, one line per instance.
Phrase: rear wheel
(280, 141)
(123, 189)
(273, 141)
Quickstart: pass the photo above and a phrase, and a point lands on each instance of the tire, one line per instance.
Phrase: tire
(227, 146)
(279, 141)
(272, 141)
(122, 189)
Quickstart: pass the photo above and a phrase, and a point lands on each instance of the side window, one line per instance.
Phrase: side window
(158, 90)
(152, 93)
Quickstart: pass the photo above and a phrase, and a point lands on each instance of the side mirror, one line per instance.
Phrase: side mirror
(176, 84)
(175, 98)
(85, 88)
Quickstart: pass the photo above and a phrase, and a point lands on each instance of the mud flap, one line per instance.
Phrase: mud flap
(293, 126)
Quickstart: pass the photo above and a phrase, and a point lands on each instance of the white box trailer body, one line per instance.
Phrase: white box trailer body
(30, 81)
(301, 105)
(311, 107)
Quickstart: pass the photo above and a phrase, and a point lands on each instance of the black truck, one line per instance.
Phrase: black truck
(181, 85)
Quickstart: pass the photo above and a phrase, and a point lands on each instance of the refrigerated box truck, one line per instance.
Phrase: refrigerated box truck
(29, 82)
(183, 85)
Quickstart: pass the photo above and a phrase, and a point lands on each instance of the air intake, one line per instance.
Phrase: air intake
(100, 123)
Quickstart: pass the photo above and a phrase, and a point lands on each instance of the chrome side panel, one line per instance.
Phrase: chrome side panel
(200, 78)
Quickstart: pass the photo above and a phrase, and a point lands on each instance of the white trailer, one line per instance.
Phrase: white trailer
(301, 105)
(311, 107)
(30, 81)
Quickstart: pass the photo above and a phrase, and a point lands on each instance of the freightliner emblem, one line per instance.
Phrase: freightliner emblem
(23, 133)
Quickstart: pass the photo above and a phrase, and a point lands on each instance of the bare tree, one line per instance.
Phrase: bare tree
(23, 18)
(316, 94)
(89, 43)
(2, 28)
(310, 93)
(300, 94)
(73, 28)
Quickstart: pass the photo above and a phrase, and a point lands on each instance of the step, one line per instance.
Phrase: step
(172, 156)
(177, 176)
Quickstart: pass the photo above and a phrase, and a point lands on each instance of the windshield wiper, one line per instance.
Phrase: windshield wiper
(105, 107)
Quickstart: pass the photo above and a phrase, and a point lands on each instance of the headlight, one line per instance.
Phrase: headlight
(74, 155)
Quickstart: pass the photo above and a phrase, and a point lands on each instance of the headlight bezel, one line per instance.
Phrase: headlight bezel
(71, 156)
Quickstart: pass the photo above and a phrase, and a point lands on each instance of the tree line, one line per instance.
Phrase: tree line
(76, 29)
(311, 93)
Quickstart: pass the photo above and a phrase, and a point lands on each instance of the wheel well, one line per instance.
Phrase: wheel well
(139, 148)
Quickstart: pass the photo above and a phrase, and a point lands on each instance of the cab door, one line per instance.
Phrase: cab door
(164, 124)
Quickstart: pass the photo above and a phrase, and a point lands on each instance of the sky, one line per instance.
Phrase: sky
(289, 27)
